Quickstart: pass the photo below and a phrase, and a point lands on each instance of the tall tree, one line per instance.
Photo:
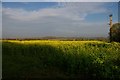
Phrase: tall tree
(115, 32)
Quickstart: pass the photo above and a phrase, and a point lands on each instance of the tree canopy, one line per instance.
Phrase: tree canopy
(115, 32)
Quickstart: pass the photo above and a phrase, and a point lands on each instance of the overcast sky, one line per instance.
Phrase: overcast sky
(63, 19)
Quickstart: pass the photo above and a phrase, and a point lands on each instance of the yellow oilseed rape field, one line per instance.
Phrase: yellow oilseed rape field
(45, 59)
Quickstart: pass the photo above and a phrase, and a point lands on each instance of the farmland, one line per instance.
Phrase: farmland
(60, 59)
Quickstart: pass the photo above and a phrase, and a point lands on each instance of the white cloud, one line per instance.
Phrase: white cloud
(68, 19)
(23, 15)
(52, 26)
(75, 11)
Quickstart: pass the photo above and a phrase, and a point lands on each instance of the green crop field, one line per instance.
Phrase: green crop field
(60, 59)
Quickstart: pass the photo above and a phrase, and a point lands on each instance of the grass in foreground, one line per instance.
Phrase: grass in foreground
(61, 59)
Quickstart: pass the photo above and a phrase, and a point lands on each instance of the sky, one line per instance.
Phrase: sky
(0, 20)
(60, 0)
(61, 19)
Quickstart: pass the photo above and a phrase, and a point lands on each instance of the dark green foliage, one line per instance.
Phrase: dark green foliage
(115, 32)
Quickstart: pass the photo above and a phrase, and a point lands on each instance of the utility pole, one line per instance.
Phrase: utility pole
(110, 16)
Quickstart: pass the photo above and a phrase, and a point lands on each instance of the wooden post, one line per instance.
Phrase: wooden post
(110, 27)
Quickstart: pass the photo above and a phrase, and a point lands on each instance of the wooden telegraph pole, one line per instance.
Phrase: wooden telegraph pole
(110, 26)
